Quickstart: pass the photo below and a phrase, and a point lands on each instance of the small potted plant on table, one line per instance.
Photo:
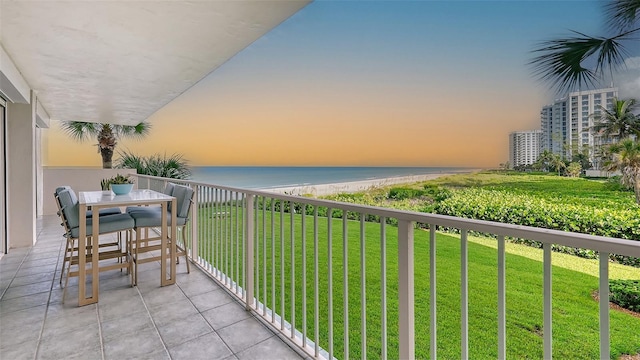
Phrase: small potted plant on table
(119, 184)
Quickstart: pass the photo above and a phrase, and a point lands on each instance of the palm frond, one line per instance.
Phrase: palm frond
(133, 131)
(560, 61)
(174, 166)
(79, 130)
(622, 14)
(129, 160)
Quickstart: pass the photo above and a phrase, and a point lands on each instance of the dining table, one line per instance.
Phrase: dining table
(96, 200)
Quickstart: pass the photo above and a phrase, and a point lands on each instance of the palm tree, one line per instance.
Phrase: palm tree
(625, 157)
(107, 135)
(619, 122)
(562, 61)
(558, 163)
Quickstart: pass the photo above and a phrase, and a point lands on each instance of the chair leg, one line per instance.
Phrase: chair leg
(184, 244)
(68, 253)
(135, 250)
(66, 280)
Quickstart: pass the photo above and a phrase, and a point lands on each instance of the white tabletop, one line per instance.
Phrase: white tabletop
(109, 198)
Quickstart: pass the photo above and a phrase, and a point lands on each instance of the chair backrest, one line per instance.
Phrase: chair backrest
(168, 189)
(59, 189)
(69, 207)
(184, 197)
(63, 218)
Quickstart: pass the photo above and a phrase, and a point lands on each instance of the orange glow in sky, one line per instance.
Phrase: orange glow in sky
(363, 83)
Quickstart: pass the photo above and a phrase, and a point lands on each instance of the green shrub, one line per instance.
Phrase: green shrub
(521, 209)
(174, 166)
(437, 193)
(403, 193)
(625, 293)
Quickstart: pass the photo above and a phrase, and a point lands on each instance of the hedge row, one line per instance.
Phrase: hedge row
(625, 293)
(505, 207)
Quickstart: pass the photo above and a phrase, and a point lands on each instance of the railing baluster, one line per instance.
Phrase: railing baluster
(548, 309)
(257, 251)
(265, 298)
(210, 235)
(248, 246)
(193, 252)
(383, 284)
(330, 278)
(227, 236)
(293, 272)
(604, 305)
(316, 294)
(282, 307)
(345, 284)
(502, 307)
(214, 233)
(237, 220)
(464, 295)
(363, 290)
(406, 290)
(273, 262)
(304, 275)
(432, 285)
(245, 204)
(264, 259)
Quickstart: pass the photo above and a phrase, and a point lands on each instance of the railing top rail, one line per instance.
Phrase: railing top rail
(585, 241)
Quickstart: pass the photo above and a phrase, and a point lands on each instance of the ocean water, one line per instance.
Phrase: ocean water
(268, 177)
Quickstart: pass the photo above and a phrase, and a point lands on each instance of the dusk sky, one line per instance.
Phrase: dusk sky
(371, 83)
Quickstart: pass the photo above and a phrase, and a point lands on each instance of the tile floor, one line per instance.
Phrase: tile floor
(194, 319)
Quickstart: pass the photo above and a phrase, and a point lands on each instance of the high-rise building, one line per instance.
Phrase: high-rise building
(524, 147)
(566, 124)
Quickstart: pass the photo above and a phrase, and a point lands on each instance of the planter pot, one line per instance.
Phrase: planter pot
(121, 189)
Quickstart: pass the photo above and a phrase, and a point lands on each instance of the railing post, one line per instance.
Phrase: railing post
(248, 245)
(406, 290)
(604, 305)
(547, 302)
(194, 224)
(464, 295)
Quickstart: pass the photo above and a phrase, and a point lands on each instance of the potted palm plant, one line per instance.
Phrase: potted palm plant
(119, 184)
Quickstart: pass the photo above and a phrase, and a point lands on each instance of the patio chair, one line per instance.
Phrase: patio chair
(115, 223)
(70, 247)
(146, 217)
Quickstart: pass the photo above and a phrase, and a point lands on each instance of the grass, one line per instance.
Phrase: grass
(575, 313)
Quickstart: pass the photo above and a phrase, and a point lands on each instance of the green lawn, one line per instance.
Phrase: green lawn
(575, 314)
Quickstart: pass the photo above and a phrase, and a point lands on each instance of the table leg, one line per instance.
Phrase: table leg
(95, 254)
(174, 239)
(163, 246)
(171, 279)
(82, 250)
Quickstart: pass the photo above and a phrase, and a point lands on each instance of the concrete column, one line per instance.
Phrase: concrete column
(21, 174)
(39, 172)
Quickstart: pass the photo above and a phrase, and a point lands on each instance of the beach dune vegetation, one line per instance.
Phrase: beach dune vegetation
(547, 201)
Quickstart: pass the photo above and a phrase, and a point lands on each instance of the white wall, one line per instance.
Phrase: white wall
(79, 178)
(21, 174)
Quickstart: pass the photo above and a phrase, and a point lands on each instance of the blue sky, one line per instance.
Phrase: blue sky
(406, 83)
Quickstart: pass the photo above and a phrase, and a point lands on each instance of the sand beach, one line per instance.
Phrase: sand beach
(354, 186)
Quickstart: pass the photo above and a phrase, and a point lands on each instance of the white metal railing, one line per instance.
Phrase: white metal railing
(257, 244)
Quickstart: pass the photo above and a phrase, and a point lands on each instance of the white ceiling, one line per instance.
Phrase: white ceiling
(121, 61)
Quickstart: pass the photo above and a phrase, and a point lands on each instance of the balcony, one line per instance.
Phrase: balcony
(194, 319)
(268, 253)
